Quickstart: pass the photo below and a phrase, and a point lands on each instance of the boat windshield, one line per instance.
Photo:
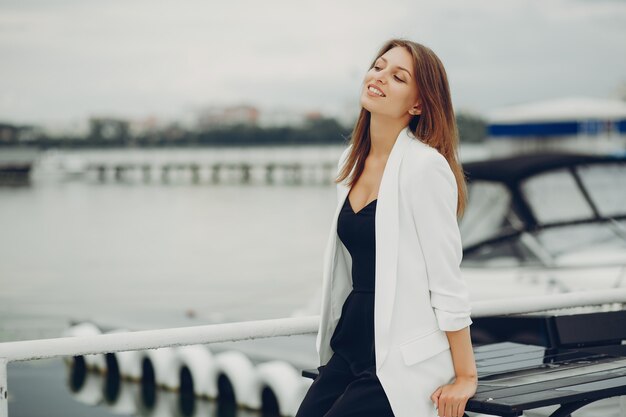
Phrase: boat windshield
(577, 193)
(486, 213)
(580, 213)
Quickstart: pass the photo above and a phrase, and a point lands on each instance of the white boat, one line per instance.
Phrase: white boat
(544, 223)
(16, 164)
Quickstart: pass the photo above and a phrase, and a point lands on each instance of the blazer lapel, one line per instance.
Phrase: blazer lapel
(333, 281)
(387, 228)
(336, 282)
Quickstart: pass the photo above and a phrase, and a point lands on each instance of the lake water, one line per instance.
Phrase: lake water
(148, 254)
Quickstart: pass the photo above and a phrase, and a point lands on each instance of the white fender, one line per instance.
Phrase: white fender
(285, 381)
(166, 366)
(128, 362)
(125, 403)
(166, 404)
(202, 367)
(87, 329)
(242, 375)
(91, 391)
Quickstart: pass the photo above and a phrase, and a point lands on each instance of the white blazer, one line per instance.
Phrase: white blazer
(420, 292)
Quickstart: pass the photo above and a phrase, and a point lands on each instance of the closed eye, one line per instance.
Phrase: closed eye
(395, 76)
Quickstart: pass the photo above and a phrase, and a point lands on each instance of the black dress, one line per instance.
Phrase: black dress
(347, 385)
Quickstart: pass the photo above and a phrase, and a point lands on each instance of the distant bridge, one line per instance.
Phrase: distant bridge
(295, 173)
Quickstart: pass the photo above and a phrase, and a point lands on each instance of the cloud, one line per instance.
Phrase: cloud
(69, 59)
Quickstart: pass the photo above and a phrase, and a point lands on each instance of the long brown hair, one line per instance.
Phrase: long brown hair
(436, 125)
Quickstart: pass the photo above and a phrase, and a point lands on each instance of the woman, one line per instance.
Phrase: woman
(394, 334)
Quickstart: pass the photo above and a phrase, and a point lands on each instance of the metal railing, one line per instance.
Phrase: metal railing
(230, 332)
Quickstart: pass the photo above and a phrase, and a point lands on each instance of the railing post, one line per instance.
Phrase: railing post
(4, 395)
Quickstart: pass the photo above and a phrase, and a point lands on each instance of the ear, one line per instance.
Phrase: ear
(416, 109)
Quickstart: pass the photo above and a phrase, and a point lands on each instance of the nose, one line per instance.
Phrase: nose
(380, 77)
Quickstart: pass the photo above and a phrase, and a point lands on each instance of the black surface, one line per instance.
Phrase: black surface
(549, 330)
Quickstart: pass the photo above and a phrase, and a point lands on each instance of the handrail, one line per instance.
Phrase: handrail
(227, 332)
(537, 303)
(224, 332)
(476, 265)
(154, 339)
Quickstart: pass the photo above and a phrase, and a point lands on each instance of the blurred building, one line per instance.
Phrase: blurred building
(109, 129)
(572, 123)
(280, 116)
(215, 116)
(15, 134)
(75, 129)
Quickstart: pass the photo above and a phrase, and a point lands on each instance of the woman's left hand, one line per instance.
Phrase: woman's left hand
(451, 399)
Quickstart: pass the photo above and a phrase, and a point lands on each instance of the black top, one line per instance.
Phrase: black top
(353, 338)
(357, 232)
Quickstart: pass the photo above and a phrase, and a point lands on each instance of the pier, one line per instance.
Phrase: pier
(296, 173)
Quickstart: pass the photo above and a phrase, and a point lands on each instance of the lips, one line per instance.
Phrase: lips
(377, 88)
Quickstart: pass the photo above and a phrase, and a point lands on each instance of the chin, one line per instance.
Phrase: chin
(367, 104)
(373, 109)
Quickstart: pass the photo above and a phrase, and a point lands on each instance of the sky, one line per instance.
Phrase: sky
(70, 59)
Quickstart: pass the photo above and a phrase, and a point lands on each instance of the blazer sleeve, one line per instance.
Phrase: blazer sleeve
(434, 198)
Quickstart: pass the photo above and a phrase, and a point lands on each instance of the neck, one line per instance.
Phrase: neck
(384, 131)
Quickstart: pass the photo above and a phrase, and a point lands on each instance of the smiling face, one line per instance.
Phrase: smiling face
(392, 74)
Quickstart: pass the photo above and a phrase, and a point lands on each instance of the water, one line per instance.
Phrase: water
(149, 256)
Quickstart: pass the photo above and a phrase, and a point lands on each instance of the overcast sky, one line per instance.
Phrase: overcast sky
(69, 59)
